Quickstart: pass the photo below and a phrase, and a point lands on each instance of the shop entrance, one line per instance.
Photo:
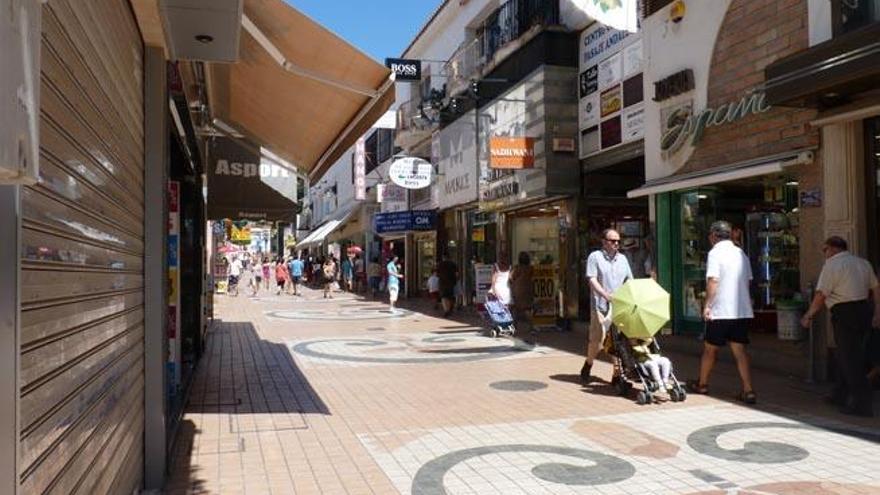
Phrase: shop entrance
(764, 214)
(536, 232)
(872, 184)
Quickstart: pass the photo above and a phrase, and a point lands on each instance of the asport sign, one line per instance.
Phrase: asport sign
(511, 152)
(411, 172)
(405, 69)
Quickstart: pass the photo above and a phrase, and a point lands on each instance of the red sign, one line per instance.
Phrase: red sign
(511, 152)
(173, 196)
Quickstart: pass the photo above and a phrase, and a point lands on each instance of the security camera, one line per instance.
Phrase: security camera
(677, 11)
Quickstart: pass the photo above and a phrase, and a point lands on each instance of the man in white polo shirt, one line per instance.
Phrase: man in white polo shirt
(728, 309)
(844, 285)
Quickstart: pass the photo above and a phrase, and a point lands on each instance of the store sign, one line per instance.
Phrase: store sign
(404, 221)
(544, 287)
(679, 123)
(679, 83)
(243, 186)
(405, 69)
(610, 88)
(511, 152)
(394, 198)
(456, 157)
(411, 172)
(598, 41)
(173, 309)
(360, 168)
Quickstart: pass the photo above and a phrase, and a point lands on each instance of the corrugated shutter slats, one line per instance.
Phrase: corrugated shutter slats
(82, 278)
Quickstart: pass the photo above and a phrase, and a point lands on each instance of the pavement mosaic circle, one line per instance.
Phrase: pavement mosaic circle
(518, 385)
(405, 349)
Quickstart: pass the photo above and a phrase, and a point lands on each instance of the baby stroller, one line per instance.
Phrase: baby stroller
(627, 370)
(499, 317)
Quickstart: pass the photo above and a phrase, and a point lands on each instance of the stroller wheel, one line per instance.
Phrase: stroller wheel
(494, 333)
(682, 395)
(674, 395)
(642, 398)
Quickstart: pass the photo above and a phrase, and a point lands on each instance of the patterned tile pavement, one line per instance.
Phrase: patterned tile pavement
(314, 396)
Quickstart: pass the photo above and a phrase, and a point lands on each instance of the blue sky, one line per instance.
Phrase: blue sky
(380, 28)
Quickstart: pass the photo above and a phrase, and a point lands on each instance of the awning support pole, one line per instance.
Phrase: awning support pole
(289, 66)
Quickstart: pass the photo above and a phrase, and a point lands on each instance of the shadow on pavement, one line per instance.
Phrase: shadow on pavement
(241, 373)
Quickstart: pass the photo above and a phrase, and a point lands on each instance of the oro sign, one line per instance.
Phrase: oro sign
(411, 172)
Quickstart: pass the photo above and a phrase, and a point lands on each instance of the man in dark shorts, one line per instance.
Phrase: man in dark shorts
(447, 272)
(728, 309)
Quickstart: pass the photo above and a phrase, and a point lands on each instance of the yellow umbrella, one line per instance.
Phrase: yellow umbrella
(640, 308)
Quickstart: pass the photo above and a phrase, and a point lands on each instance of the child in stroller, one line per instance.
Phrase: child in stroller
(640, 359)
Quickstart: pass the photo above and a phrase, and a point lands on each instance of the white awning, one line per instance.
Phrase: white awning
(741, 170)
(317, 236)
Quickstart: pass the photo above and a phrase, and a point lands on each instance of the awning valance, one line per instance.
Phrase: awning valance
(285, 92)
(742, 170)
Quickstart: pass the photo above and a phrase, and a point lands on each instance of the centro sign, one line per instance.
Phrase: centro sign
(411, 173)
(405, 69)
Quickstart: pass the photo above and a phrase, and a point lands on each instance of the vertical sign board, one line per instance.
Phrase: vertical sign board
(173, 314)
(360, 168)
(611, 107)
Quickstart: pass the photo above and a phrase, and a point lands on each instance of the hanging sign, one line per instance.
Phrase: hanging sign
(411, 172)
(618, 14)
(405, 69)
(512, 152)
(360, 167)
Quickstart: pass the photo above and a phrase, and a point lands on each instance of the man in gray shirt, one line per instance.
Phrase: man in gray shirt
(607, 270)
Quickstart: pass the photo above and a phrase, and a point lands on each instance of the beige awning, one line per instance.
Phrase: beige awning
(297, 110)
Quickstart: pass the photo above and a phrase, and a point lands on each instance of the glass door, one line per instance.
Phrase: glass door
(697, 209)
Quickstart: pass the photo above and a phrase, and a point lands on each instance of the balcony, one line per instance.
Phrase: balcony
(501, 34)
(417, 119)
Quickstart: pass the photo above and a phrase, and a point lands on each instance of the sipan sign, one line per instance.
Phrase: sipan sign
(411, 172)
(405, 69)
(680, 124)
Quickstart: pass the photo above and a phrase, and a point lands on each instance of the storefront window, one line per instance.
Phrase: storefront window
(764, 214)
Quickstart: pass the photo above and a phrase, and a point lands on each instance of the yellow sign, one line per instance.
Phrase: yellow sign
(242, 235)
(544, 282)
(172, 285)
(478, 234)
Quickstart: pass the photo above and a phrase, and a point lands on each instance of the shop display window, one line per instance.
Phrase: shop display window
(764, 215)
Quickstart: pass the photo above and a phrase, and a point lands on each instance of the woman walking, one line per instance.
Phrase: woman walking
(329, 272)
(267, 272)
(501, 283)
(393, 283)
(522, 291)
(281, 275)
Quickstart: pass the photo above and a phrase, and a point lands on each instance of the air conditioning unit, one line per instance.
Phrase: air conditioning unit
(19, 91)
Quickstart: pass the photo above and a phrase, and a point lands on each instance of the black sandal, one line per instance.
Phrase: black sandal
(695, 387)
(747, 397)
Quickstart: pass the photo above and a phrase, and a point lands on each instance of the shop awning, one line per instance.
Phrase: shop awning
(349, 225)
(317, 236)
(741, 170)
(322, 232)
(297, 88)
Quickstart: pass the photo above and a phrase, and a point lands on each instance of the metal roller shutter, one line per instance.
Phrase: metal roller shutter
(82, 318)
